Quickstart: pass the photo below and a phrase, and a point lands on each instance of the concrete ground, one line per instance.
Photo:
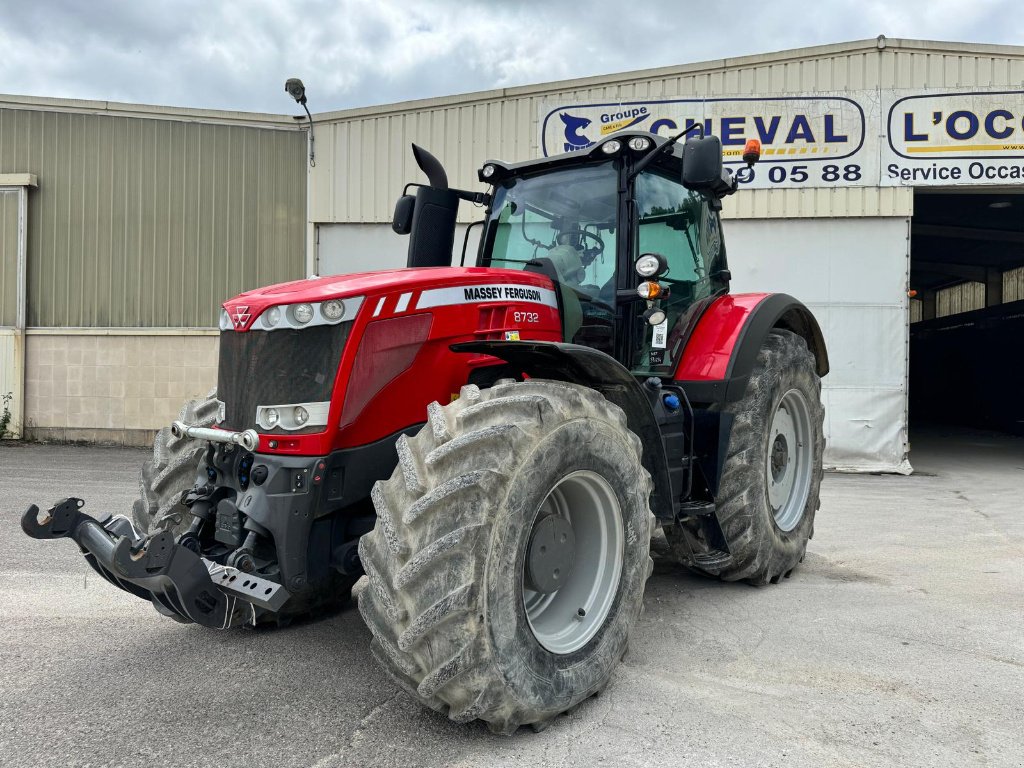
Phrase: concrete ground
(900, 641)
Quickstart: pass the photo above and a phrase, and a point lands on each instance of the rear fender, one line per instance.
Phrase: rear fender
(592, 368)
(722, 350)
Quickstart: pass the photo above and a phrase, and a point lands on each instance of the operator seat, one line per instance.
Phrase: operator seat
(568, 299)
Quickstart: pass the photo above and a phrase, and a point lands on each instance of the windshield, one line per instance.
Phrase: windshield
(563, 225)
(678, 224)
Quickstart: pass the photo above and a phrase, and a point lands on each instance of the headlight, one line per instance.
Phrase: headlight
(649, 265)
(225, 320)
(270, 418)
(332, 310)
(655, 316)
(611, 147)
(302, 313)
(272, 317)
(301, 415)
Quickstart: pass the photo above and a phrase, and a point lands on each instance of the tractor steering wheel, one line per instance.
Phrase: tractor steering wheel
(589, 254)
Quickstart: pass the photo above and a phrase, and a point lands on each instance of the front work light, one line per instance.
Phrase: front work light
(302, 313)
(272, 317)
(650, 265)
(655, 316)
(332, 310)
(611, 147)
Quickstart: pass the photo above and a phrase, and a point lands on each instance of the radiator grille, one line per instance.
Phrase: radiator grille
(276, 367)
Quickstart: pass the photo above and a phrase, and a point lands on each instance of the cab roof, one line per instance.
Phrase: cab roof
(672, 159)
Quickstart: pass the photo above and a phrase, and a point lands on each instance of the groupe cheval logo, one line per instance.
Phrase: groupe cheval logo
(576, 128)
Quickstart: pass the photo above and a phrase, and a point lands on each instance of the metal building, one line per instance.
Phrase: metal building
(122, 228)
(889, 167)
(887, 199)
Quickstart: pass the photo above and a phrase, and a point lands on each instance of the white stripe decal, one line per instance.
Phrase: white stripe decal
(380, 306)
(497, 292)
(403, 302)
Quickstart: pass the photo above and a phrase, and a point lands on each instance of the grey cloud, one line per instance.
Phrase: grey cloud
(237, 55)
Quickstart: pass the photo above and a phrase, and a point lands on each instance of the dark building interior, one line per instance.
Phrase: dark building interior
(967, 332)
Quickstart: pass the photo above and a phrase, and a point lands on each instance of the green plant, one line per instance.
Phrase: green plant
(5, 417)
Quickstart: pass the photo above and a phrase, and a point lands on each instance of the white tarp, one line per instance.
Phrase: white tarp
(852, 273)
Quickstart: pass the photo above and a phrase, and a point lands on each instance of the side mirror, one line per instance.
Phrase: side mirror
(702, 163)
(401, 222)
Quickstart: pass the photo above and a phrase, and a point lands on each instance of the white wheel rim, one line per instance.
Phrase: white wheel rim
(788, 460)
(566, 620)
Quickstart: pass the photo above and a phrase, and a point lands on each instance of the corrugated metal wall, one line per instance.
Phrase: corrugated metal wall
(1013, 285)
(152, 222)
(8, 257)
(364, 157)
(959, 298)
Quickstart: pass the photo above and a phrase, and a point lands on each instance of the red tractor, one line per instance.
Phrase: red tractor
(492, 446)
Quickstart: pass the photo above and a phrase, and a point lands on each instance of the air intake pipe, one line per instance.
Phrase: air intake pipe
(432, 232)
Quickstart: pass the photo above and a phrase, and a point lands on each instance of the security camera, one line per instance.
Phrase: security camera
(296, 90)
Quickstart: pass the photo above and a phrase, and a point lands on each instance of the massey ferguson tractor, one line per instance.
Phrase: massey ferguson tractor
(491, 446)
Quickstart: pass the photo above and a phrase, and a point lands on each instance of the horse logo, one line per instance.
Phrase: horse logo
(573, 125)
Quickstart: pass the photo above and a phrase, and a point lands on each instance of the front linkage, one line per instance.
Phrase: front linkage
(180, 583)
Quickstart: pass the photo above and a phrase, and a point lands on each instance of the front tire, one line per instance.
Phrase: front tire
(172, 471)
(462, 600)
(769, 490)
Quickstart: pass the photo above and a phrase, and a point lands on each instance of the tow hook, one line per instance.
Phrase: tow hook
(178, 581)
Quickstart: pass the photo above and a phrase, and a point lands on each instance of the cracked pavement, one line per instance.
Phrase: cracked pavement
(899, 641)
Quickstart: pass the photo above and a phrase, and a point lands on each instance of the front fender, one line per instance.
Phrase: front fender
(722, 350)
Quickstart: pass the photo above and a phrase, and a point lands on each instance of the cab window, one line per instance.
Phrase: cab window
(678, 224)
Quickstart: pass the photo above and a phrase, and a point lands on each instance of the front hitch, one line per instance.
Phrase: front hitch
(179, 582)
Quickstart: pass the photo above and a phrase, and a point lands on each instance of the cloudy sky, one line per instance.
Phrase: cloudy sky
(237, 55)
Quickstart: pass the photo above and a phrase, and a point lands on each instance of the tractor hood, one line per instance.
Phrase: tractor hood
(244, 309)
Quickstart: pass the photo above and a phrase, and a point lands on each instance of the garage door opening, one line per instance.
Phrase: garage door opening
(967, 317)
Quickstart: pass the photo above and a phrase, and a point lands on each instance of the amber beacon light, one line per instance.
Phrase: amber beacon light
(752, 151)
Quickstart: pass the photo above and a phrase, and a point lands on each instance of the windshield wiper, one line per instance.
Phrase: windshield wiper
(649, 157)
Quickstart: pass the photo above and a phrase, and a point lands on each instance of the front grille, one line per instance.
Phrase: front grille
(277, 367)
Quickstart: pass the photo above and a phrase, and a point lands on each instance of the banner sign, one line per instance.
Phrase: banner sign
(955, 138)
(852, 138)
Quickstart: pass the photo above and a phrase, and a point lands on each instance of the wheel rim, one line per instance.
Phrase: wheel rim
(788, 460)
(567, 619)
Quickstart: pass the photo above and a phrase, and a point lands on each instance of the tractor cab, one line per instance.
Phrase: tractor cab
(585, 220)
(628, 230)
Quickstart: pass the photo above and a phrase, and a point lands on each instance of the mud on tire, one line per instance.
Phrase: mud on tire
(761, 550)
(172, 471)
(445, 561)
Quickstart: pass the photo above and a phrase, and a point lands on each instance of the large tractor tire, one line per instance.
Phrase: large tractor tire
(769, 490)
(172, 471)
(512, 547)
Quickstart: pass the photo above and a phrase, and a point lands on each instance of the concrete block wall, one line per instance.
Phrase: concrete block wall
(114, 386)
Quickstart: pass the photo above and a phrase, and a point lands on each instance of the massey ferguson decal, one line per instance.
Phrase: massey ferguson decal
(471, 294)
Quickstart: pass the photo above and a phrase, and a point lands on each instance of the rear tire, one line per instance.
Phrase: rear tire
(769, 490)
(172, 471)
(447, 598)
